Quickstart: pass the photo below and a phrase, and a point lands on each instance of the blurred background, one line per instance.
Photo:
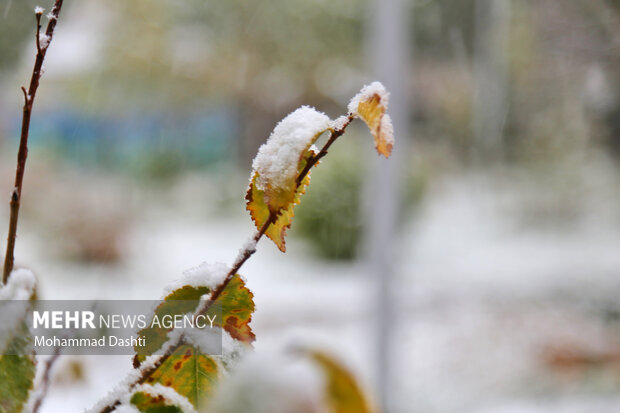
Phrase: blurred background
(477, 270)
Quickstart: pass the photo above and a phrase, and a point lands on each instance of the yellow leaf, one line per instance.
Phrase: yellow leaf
(370, 105)
(262, 203)
(343, 394)
(273, 191)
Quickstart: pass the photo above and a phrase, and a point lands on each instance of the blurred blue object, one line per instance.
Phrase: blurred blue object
(195, 139)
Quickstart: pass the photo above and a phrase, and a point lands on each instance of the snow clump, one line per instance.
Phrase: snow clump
(278, 159)
(204, 275)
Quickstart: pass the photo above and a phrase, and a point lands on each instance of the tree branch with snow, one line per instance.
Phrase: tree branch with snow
(177, 372)
(42, 41)
(281, 173)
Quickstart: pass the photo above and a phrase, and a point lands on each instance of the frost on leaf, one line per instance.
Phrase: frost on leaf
(236, 303)
(343, 394)
(17, 370)
(370, 105)
(278, 159)
(157, 398)
(273, 188)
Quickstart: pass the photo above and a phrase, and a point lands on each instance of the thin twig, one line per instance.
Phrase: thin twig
(313, 160)
(241, 259)
(45, 380)
(22, 153)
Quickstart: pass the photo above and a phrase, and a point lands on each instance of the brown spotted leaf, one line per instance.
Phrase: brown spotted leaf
(237, 304)
(233, 311)
(190, 373)
(147, 403)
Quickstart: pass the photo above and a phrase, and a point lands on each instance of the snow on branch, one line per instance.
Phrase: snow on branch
(20, 286)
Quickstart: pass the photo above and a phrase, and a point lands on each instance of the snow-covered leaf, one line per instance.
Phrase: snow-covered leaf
(270, 383)
(258, 204)
(343, 394)
(370, 105)
(273, 187)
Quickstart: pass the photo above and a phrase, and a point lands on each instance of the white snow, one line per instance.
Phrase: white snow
(204, 275)
(387, 129)
(248, 247)
(51, 16)
(339, 123)
(168, 393)
(206, 339)
(44, 40)
(124, 388)
(367, 92)
(232, 350)
(39, 10)
(126, 408)
(20, 285)
(120, 391)
(277, 159)
(270, 383)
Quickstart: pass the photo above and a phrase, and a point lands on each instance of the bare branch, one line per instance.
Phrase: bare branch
(22, 153)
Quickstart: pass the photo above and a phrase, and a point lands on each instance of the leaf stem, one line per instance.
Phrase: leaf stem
(22, 153)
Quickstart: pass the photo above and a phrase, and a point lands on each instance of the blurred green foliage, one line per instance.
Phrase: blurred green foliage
(331, 214)
(14, 30)
(175, 54)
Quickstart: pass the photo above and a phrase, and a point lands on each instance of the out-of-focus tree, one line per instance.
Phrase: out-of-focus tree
(13, 32)
(261, 57)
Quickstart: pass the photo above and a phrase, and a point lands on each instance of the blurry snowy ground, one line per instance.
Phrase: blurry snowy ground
(507, 298)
